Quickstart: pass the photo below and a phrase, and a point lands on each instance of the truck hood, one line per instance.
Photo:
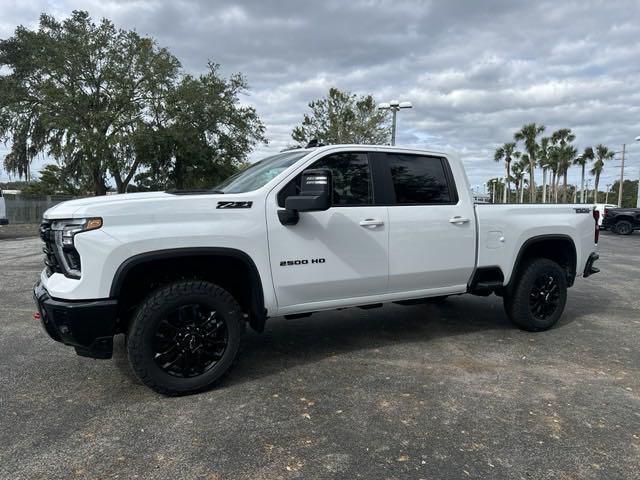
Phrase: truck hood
(83, 207)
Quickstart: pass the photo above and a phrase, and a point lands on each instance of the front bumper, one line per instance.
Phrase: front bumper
(88, 326)
(589, 269)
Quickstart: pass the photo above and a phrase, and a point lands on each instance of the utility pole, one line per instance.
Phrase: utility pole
(624, 147)
(638, 195)
(606, 196)
(394, 106)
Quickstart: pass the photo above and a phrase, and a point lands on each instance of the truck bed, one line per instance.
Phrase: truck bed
(504, 228)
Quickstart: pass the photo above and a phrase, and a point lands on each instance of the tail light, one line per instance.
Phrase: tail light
(596, 217)
(606, 212)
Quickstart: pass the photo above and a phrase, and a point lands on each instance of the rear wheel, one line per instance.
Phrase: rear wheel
(184, 337)
(539, 297)
(623, 227)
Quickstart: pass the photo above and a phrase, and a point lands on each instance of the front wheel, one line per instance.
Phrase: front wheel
(539, 297)
(184, 337)
(624, 227)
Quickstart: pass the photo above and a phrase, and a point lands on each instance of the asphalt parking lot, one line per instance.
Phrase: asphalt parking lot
(446, 391)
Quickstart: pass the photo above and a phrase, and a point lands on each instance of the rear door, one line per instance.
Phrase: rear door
(431, 230)
(335, 255)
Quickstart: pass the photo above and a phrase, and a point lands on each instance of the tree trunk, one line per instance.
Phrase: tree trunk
(582, 186)
(507, 184)
(99, 187)
(564, 188)
(532, 180)
(595, 192)
(544, 185)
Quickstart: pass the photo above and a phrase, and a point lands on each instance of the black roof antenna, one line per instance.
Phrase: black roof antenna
(314, 142)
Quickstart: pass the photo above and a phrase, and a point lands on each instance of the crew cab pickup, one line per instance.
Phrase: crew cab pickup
(622, 221)
(181, 273)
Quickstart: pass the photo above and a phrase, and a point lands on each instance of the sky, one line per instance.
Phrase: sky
(475, 71)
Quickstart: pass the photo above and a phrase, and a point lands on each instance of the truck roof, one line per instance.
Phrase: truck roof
(380, 148)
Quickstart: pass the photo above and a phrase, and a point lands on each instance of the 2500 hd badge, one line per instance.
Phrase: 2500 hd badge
(291, 263)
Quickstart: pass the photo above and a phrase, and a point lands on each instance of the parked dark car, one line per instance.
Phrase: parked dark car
(622, 221)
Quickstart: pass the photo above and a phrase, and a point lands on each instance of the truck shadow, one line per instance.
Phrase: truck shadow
(287, 344)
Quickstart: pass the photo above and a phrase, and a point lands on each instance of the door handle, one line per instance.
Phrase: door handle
(371, 222)
(458, 220)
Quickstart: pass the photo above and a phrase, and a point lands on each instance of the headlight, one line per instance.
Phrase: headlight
(65, 230)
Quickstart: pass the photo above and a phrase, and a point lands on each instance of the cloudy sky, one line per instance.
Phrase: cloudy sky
(474, 70)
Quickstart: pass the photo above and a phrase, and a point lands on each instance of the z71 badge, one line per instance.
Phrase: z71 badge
(234, 204)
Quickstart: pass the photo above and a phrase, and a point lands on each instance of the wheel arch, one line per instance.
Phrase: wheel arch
(198, 262)
(557, 247)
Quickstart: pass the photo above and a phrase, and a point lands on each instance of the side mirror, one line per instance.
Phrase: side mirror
(315, 196)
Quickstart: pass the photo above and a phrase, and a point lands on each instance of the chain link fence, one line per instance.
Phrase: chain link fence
(29, 209)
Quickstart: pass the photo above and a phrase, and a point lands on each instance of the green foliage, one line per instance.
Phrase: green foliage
(343, 117)
(629, 193)
(54, 180)
(108, 102)
(528, 134)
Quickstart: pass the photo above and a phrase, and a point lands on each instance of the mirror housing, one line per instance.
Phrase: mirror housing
(315, 196)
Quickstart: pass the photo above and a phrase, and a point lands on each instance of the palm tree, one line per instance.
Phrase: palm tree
(493, 185)
(586, 157)
(602, 154)
(567, 157)
(528, 134)
(563, 136)
(517, 175)
(543, 162)
(506, 152)
(560, 139)
(553, 160)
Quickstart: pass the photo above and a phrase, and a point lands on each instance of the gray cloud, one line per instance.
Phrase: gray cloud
(475, 71)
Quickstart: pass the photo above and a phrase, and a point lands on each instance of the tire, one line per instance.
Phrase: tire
(184, 337)
(539, 296)
(623, 227)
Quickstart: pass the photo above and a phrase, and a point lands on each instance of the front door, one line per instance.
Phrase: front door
(330, 257)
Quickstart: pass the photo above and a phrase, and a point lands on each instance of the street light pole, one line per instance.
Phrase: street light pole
(638, 194)
(394, 106)
(624, 147)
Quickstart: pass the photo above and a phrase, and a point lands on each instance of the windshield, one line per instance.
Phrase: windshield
(259, 174)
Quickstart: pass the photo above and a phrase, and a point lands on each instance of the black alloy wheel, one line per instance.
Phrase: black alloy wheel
(189, 340)
(538, 294)
(544, 297)
(185, 336)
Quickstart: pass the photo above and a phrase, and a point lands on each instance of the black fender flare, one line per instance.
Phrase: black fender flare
(538, 239)
(258, 310)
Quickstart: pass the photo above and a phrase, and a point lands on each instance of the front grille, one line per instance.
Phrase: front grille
(50, 260)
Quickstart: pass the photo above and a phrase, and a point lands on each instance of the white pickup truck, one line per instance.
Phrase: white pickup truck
(181, 273)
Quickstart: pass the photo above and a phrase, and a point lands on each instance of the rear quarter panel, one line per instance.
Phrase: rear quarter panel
(503, 230)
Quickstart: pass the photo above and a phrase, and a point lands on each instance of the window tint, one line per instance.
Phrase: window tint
(351, 179)
(418, 179)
